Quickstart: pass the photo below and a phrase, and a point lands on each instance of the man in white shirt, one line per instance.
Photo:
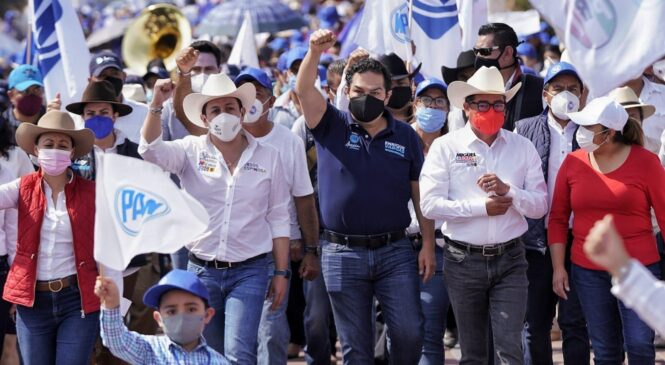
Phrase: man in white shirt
(653, 94)
(482, 182)
(274, 329)
(553, 135)
(242, 186)
(106, 65)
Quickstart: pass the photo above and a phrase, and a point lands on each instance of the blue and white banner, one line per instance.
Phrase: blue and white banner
(140, 210)
(390, 26)
(472, 14)
(608, 41)
(62, 54)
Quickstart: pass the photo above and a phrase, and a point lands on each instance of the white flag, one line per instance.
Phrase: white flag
(244, 51)
(472, 14)
(140, 210)
(62, 52)
(434, 29)
(609, 41)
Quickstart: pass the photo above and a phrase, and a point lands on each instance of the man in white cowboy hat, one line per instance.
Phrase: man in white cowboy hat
(483, 181)
(637, 110)
(242, 186)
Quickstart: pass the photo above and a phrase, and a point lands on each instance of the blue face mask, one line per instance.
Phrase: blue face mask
(292, 82)
(102, 126)
(430, 120)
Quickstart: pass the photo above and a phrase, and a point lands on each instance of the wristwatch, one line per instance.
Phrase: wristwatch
(285, 273)
(312, 249)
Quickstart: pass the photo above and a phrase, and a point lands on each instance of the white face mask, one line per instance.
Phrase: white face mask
(585, 139)
(659, 69)
(225, 127)
(563, 103)
(255, 112)
(198, 81)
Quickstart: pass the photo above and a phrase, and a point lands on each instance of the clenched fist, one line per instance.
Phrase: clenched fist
(161, 92)
(186, 59)
(321, 40)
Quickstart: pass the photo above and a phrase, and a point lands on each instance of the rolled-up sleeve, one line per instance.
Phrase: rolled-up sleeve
(434, 186)
(531, 199)
(170, 156)
(278, 216)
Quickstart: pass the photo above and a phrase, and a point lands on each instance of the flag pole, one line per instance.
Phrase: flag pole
(28, 45)
(409, 45)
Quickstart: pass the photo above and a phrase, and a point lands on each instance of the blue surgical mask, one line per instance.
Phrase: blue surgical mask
(292, 82)
(430, 120)
(102, 126)
(148, 96)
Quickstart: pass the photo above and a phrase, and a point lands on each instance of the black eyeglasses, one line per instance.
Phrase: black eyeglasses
(429, 101)
(483, 106)
(485, 51)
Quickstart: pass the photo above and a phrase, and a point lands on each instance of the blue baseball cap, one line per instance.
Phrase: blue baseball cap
(250, 74)
(430, 83)
(328, 16)
(295, 54)
(561, 68)
(176, 280)
(323, 75)
(278, 44)
(281, 62)
(24, 76)
(526, 49)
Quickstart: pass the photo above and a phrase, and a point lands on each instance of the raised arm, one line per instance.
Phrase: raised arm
(185, 62)
(312, 102)
(152, 126)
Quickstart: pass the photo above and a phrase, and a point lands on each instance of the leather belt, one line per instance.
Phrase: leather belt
(57, 285)
(419, 236)
(371, 242)
(223, 264)
(485, 250)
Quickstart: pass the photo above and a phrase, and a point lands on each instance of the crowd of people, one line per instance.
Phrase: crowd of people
(351, 199)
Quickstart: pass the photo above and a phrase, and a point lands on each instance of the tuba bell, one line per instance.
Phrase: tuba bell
(160, 31)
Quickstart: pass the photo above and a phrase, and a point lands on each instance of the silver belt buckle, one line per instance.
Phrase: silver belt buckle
(489, 254)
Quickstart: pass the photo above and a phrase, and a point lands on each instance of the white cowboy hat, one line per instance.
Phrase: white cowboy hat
(627, 97)
(484, 81)
(217, 86)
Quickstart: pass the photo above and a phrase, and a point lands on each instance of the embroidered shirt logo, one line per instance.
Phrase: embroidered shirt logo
(354, 142)
(251, 166)
(395, 148)
(469, 159)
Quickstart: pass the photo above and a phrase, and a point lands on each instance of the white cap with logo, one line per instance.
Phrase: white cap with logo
(603, 110)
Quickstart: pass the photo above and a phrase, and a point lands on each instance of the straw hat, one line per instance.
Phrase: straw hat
(627, 97)
(217, 86)
(484, 81)
(55, 122)
(99, 92)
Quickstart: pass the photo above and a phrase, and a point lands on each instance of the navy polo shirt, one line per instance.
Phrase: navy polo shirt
(365, 182)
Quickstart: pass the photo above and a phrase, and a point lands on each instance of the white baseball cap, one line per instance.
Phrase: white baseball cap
(603, 110)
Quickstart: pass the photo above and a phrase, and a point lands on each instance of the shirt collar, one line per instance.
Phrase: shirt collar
(251, 143)
(514, 77)
(119, 139)
(468, 137)
(390, 126)
(648, 89)
(203, 345)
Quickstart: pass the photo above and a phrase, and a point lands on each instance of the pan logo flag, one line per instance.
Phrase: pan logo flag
(135, 207)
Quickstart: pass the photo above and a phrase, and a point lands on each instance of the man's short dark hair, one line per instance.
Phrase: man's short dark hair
(336, 67)
(208, 47)
(369, 65)
(504, 35)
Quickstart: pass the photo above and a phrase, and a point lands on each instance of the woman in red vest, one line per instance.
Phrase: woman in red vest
(52, 276)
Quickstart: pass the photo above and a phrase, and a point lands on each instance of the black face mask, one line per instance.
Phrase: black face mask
(365, 108)
(489, 62)
(117, 84)
(400, 96)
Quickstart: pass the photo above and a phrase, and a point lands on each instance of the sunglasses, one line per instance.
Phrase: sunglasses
(483, 106)
(486, 51)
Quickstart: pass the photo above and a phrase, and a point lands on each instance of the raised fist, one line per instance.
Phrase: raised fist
(321, 40)
(186, 59)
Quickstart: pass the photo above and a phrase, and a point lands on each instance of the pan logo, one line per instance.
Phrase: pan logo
(399, 23)
(435, 17)
(47, 13)
(135, 207)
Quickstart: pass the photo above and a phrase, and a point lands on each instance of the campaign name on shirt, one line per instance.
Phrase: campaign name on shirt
(395, 148)
(354, 142)
(469, 159)
(251, 166)
(135, 207)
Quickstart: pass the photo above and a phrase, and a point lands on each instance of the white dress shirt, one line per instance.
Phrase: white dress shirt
(247, 208)
(292, 155)
(449, 192)
(654, 126)
(16, 164)
(55, 258)
(561, 144)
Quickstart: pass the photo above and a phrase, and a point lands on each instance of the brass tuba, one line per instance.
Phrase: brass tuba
(160, 31)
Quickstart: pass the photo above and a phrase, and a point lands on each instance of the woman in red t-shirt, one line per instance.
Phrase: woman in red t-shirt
(611, 173)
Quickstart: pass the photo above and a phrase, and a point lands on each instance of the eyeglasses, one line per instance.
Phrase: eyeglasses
(483, 106)
(429, 101)
(485, 51)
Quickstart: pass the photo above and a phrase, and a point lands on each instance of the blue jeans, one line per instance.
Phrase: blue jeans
(484, 289)
(613, 328)
(541, 307)
(434, 301)
(317, 322)
(237, 294)
(53, 330)
(274, 333)
(353, 277)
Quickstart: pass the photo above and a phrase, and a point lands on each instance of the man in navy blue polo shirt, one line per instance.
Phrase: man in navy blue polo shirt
(368, 169)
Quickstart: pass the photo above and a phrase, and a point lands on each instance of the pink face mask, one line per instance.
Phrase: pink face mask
(54, 161)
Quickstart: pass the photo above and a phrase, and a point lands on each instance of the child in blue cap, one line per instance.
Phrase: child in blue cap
(181, 300)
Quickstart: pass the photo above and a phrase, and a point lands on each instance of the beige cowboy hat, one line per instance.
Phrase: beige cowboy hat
(217, 86)
(484, 81)
(627, 97)
(55, 122)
